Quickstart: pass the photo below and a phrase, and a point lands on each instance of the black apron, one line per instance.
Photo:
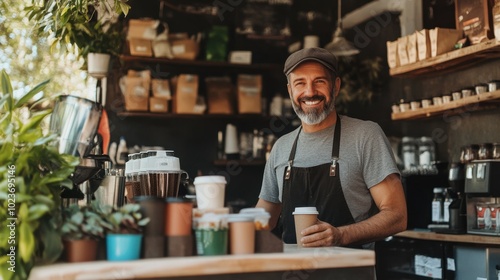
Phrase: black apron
(314, 186)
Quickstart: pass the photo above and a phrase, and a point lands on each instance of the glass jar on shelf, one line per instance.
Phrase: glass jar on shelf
(485, 151)
(471, 153)
(463, 151)
(496, 151)
(426, 152)
(409, 151)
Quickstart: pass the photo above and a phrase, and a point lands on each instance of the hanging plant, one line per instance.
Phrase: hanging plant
(361, 80)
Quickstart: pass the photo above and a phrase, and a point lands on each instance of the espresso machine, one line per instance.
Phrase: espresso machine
(482, 187)
(75, 121)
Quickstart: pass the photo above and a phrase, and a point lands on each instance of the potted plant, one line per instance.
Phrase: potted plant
(124, 232)
(89, 26)
(82, 229)
(31, 175)
(104, 44)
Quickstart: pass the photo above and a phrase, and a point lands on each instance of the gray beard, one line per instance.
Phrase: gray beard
(315, 116)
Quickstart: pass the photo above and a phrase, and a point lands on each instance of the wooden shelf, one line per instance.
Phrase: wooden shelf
(464, 104)
(201, 64)
(244, 162)
(450, 61)
(192, 116)
(459, 238)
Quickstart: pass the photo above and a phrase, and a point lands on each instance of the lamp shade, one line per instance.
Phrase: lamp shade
(339, 45)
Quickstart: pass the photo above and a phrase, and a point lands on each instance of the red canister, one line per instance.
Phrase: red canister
(483, 213)
(495, 215)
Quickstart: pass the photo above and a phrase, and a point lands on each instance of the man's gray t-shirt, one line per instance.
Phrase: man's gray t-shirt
(365, 160)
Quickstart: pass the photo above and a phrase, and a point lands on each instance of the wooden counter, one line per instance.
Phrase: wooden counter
(458, 238)
(294, 263)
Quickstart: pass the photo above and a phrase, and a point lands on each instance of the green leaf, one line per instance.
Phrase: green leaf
(124, 7)
(23, 212)
(36, 211)
(35, 120)
(41, 86)
(50, 237)
(43, 200)
(45, 140)
(143, 222)
(3, 99)
(7, 89)
(30, 137)
(5, 274)
(26, 241)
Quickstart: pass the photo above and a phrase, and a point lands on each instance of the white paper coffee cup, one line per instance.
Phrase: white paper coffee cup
(210, 191)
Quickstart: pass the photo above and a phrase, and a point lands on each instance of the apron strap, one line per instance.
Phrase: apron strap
(291, 157)
(336, 148)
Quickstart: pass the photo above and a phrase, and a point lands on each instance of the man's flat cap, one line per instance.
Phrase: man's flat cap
(315, 54)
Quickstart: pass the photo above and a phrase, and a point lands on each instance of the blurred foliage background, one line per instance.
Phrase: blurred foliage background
(28, 60)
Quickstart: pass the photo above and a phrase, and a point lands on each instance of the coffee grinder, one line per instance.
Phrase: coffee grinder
(75, 121)
(457, 208)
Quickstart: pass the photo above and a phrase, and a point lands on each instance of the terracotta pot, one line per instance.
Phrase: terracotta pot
(84, 250)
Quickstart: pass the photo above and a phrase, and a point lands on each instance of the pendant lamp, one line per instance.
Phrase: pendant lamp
(339, 45)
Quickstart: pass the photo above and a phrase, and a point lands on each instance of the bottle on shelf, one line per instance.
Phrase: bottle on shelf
(220, 145)
(121, 152)
(446, 206)
(437, 206)
(276, 108)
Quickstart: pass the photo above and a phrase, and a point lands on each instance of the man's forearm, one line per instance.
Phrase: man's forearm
(381, 225)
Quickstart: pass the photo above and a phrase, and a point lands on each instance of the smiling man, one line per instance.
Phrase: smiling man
(341, 165)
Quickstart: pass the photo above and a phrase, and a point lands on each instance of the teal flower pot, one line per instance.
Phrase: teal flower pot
(123, 247)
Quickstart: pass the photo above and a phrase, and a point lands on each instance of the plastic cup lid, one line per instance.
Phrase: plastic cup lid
(232, 218)
(210, 179)
(252, 211)
(305, 210)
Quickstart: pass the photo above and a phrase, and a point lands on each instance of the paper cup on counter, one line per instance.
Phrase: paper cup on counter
(210, 191)
(211, 234)
(241, 234)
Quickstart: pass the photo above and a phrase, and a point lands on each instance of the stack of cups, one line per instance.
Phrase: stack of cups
(210, 224)
(241, 234)
(304, 217)
(178, 223)
(154, 239)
